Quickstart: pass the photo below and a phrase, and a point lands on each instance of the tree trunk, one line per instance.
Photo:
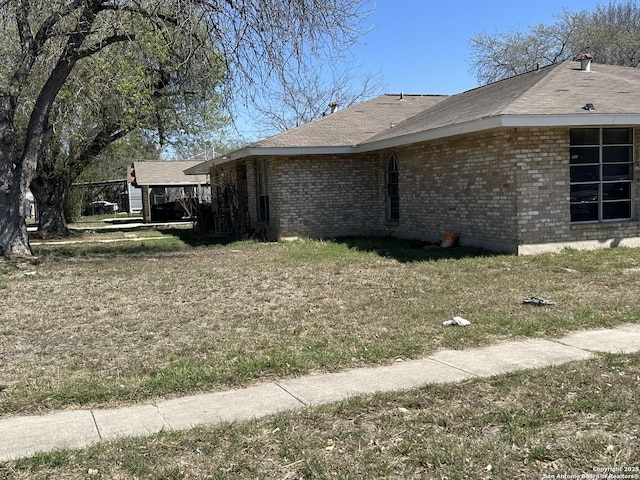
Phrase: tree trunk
(14, 182)
(50, 197)
(14, 241)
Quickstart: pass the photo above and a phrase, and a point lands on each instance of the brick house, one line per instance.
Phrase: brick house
(538, 162)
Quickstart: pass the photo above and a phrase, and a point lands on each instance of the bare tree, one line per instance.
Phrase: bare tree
(503, 55)
(296, 98)
(611, 33)
(255, 38)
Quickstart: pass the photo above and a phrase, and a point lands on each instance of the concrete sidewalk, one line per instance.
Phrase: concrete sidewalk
(25, 436)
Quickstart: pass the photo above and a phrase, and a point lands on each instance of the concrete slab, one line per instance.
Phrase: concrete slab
(129, 421)
(625, 339)
(252, 402)
(331, 387)
(25, 436)
(510, 356)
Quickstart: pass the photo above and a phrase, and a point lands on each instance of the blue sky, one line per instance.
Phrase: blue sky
(422, 46)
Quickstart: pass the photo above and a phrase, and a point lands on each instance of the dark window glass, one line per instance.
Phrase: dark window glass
(584, 192)
(585, 155)
(613, 136)
(262, 191)
(263, 214)
(617, 172)
(601, 174)
(616, 154)
(616, 210)
(584, 212)
(616, 191)
(587, 173)
(585, 136)
(393, 189)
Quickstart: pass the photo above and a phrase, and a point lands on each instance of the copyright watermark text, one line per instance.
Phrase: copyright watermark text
(600, 473)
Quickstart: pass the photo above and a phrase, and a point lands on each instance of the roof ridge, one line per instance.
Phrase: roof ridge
(401, 94)
(546, 70)
(554, 93)
(471, 92)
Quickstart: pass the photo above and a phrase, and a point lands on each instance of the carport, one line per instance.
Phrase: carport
(168, 194)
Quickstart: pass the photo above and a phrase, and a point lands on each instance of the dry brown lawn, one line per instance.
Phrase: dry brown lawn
(114, 324)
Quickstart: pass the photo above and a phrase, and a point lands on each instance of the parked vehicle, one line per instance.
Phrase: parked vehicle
(100, 207)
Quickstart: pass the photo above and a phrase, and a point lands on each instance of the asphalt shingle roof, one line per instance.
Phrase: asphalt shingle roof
(557, 93)
(355, 124)
(560, 89)
(167, 173)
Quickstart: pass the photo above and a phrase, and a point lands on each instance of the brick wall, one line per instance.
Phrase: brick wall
(317, 196)
(464, 184)
(324, 196)
(541, 157)
(502, 189)
(613, 233)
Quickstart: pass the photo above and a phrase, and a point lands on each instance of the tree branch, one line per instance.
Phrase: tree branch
(45, 31)
(105, 42)
(106, 136)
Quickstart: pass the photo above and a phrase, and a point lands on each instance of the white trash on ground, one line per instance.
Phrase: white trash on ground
(457, 321)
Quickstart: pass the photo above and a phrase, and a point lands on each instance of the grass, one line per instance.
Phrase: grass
(577, 419)
(107, 324)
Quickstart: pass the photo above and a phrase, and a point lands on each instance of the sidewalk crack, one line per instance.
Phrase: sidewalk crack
(95, 424)
(299, 399)
(162, 416)
(453, 366)
(583, 349)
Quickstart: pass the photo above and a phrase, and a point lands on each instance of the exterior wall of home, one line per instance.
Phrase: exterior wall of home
(506, 190)
(229, 203)
(544, 187)
(467, 185)
(320, 196)
(541, 159)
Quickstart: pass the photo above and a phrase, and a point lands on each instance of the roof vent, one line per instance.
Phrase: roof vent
(585, 61)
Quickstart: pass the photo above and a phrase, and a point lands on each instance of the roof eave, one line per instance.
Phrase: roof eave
(569, 120)
(200, 169)
(173, 184)
(283, 151)
(432, 134)
(489, 123)
(473, 126)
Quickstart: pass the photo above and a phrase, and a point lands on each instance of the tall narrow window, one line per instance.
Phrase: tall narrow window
(601, 174)
(393, 192)
(262, 191)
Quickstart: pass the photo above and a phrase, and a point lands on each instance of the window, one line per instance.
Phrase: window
(601, 175)
(262, 191)
(393, 192)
